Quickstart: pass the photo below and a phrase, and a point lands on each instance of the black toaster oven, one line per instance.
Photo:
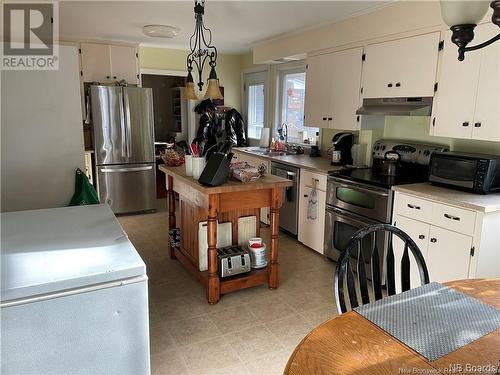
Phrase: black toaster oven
(476, 173)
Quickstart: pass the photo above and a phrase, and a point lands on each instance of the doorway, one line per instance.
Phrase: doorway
(255, 90)
(170, 118)
(167, 104)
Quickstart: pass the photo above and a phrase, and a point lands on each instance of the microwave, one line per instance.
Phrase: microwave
(476, 173)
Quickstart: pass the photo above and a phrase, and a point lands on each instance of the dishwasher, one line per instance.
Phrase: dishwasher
(290, 208)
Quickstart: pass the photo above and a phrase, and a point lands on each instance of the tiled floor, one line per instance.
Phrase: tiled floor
(252, 331)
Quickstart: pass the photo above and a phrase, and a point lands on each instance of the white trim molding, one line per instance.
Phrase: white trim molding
(164, 72)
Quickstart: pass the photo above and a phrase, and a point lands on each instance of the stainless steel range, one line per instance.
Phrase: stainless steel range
(357, 198)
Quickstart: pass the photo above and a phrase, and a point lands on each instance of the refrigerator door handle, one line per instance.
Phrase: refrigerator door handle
(135, 169)
(122, 126)
(128, 130)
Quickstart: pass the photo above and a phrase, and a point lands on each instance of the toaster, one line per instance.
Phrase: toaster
(232, 260)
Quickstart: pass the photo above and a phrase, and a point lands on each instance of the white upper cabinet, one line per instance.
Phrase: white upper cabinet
(109, 63)
(124, 63)
(346, 89)
(95, 62)
(467, 103)
(487, 112)
(453, 106)
(333, 84)
(318, 91)
(401, 68)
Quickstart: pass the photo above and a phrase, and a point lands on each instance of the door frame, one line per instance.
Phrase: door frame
(281, 70)
(267, 103)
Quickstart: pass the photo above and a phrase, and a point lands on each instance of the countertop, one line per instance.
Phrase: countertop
(319, 164)
(265, 182)
(476, 202)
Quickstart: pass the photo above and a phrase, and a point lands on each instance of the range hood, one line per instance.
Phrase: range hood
(420, 106)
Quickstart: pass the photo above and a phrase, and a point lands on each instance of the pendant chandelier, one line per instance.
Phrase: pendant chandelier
(463, 16)
(202, 51)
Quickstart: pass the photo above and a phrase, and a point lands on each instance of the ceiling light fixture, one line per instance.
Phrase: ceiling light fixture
(463, 17)
(202, 50)
(160, 31)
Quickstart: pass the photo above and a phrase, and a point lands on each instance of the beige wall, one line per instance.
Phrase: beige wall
(414, 129)
(398, 18)
(228, 69)
(41, 135)
(417, 129)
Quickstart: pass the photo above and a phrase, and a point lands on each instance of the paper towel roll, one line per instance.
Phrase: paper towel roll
(264, 137)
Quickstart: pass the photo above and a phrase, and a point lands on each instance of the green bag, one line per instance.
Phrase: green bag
(84, 191)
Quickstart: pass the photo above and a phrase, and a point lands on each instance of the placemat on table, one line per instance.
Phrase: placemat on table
(433, 319)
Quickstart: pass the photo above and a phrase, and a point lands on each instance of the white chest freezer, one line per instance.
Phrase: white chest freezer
(73, 294)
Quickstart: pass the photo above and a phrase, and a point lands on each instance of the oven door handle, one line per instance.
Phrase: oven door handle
(357, 187)
(363, 222)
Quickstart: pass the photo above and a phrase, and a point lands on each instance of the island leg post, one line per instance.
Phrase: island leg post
(276, 198)
(171, 211)
(213, 288)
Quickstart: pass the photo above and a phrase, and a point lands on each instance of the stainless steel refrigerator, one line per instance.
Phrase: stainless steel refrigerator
(122, 119)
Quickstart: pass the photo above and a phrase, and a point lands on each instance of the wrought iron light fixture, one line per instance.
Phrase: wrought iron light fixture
(463, 17)
(202, 51)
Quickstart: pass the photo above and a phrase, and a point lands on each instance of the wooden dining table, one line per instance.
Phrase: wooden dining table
(351, 344)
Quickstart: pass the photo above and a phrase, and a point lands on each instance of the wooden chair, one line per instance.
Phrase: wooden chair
(361, 258)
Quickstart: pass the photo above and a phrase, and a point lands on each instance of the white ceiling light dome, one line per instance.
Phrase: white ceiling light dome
(160, 31)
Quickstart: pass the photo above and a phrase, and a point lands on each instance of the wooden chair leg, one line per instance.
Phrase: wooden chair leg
(171, 211)
(213, 290)
(273, 264)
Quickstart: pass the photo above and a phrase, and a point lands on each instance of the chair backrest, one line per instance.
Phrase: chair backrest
(377, 260)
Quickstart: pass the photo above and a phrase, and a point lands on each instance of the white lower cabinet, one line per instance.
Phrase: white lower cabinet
(419, 233)
(449, 255)
(311, 232)
(456, 243)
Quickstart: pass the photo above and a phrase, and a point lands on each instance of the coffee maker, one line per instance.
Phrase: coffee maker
(341, 148)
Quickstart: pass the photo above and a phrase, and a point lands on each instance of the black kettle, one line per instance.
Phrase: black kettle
(391, 163)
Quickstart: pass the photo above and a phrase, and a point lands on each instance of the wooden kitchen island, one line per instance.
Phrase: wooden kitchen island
(225, 203)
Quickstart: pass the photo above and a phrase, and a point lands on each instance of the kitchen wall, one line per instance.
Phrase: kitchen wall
(384, 22)
(414, 129)
(396, 18)
(228, 69)
(41, 135)
(417, 129)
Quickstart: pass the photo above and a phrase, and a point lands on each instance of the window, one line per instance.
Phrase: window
(255, 85)
(292, 83)
(255, 110)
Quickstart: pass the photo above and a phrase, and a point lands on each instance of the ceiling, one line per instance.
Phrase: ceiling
(236, 25)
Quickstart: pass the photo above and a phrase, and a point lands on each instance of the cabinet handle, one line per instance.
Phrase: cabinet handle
(305, 195)
(107, 77)
(451, 217)
(421, 237)
(330, 118)
(433, 240)
(389, 85)
(114, 77)
(324, 118)
(413, 207)
(398, 84)
(477, 125)
(466, 123)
